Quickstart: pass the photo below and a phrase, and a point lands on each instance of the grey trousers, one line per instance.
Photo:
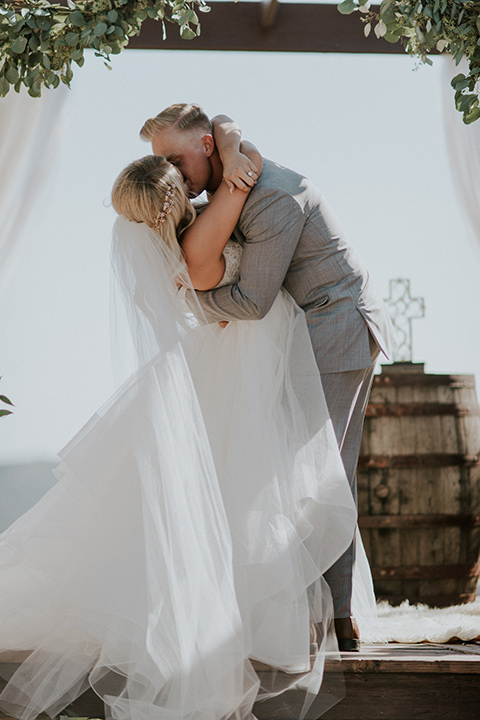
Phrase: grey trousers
(347, 396)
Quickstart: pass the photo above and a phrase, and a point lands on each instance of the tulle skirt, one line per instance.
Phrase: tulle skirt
(186, 538)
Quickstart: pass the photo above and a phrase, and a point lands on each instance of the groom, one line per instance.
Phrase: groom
(291, 237)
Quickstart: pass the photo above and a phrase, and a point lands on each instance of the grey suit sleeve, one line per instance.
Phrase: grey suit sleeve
(272, 225)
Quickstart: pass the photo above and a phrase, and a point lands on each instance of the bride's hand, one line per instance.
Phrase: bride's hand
(239, 171)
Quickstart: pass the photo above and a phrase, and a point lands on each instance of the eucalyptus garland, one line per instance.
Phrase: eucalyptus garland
(451, 26)
(39, 40)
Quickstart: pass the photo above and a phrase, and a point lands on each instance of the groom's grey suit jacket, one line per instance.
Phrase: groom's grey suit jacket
(292, 238)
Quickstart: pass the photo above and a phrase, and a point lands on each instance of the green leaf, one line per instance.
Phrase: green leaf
(4, 86)
(19, 45)
(44, 23)
(72, 38)
(100, 29)
(5, 412)
(112, 15)
(457, 81)
(472, 116)
(34, 59)
(184, 17)
(3, 398)
(347, 7)
(68, 74)
(34, 43)
(12, 77)
(186, 33)
(18, 24)
(391, 37)
(76, 18)
(459, 53)
(388, 14)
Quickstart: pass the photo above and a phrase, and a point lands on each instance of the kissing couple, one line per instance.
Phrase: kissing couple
(197, 553)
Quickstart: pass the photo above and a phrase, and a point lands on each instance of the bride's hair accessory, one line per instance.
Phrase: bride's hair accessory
(166, 208)
(147, 191)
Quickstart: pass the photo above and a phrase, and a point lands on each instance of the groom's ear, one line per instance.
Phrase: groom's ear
(208, 144)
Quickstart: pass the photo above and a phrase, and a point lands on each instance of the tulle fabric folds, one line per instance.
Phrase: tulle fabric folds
(184, 544)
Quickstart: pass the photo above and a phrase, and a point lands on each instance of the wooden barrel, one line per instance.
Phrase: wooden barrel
(419, 486)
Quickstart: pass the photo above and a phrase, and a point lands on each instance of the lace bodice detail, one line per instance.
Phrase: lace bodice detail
(233, 255)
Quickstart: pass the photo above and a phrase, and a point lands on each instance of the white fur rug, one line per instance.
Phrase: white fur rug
(420, 623)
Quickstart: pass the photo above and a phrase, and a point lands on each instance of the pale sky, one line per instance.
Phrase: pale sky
(368, 130)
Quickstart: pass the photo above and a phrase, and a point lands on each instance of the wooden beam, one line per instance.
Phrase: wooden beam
(297, 28)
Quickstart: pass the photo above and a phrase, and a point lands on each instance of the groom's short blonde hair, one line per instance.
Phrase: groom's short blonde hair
(182, 116)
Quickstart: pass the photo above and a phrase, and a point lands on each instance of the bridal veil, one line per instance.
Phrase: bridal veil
(177, 564)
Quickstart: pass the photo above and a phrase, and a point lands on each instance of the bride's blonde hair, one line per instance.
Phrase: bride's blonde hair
(150, 190)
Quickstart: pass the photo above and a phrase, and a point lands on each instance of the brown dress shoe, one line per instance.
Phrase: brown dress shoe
(348, 635)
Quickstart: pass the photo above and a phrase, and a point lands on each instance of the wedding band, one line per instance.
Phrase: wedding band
(250, 173)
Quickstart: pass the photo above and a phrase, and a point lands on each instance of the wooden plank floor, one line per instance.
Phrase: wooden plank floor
(383, 682)
(403, 682)
(400, 682)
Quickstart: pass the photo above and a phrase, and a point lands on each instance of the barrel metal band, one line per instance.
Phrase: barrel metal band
(377, 409)
(426, 572)
(420, 521)
(420, 460)
(405, 380)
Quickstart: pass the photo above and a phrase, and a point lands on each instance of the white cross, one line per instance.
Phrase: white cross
(403, 309)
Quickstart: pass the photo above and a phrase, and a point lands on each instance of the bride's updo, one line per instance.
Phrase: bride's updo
(150, 190)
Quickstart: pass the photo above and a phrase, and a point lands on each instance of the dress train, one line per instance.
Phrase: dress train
(192, 521)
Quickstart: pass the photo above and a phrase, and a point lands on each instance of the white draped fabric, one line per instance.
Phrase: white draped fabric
(30, 134)
(193, 520)
(464, 150)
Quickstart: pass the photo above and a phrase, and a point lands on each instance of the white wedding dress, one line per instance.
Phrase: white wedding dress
(192, 521)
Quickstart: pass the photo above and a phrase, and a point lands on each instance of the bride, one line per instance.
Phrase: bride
(176, 567)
